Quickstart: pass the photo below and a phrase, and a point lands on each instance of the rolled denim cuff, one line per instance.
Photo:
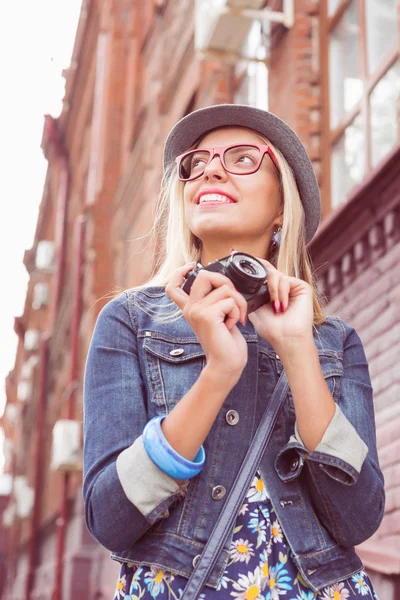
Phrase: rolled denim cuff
(340, 453)
(341, 441)
(145, 485)
(165, 457)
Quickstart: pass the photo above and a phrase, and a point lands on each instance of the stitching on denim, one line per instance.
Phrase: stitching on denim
(154, 384)
(343, 577)
(99, 347)
(269, 353)
(330, 511)
(319, 483)
(316, 521)
(133, 317)
(155, 351)
(178, 537)
(334, 461)
(212, 581)
(164, 505)
(155, 377)
(298, 493)
(283, 525)
(342, 328)
(187, 506)
(318, 552)
(212, 469)
(157, 335)
(161, 383)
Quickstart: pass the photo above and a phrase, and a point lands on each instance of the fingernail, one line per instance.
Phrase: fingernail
(282, 307)
(275, 306)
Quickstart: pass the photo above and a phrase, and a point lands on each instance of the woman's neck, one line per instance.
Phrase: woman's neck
(212, 252)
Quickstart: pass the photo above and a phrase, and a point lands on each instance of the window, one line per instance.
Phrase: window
(252, 76)
(364, 89)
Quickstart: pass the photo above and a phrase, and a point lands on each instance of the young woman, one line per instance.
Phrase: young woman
(176, 385)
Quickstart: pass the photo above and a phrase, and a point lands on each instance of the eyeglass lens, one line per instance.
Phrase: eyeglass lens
(238, 160)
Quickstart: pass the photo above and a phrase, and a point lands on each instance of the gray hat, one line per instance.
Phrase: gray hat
(196, 124)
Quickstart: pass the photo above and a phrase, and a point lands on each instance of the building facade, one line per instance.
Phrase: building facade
(334, 76)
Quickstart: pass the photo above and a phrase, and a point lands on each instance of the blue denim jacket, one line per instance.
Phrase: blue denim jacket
(140, 364)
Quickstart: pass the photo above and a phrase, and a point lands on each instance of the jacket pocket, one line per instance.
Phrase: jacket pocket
(172, 367)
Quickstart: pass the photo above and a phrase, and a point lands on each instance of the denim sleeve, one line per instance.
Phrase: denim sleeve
(124, 491)
(342, 472)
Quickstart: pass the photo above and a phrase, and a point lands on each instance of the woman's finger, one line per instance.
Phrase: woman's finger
(268, 266)
(205, 282)
(227, 291)
(273, 289)
(174, 289)
(283, 292)
(227, 310)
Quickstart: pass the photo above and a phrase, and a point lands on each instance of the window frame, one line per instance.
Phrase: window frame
(362, 108)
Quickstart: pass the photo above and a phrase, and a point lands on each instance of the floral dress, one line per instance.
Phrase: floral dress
(260, 566)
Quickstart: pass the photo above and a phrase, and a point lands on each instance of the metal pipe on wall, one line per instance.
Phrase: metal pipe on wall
(40, 419)
(51, 136)
(79, 245)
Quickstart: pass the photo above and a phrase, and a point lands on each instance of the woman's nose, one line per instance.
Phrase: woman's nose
(215, 169)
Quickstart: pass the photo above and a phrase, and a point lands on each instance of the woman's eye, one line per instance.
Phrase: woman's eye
(246, 158)
(197, 162)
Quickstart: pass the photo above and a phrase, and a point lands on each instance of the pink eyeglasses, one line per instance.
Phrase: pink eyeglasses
(239, 159)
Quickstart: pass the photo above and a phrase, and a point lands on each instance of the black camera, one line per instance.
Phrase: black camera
(247, 274)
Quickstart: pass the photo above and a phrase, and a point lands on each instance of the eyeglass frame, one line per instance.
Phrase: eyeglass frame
(220, 151)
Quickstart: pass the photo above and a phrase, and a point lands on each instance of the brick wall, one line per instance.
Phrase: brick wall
(133, 75)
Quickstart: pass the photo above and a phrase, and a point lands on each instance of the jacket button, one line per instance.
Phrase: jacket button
(294, 465)
(196, 560)
(177, 352)
(232, 417)
(218, 492)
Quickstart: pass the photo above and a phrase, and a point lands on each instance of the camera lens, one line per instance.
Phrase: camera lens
(246, 272)
(246, 266)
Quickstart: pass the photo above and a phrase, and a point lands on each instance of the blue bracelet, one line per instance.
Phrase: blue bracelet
(165, 457)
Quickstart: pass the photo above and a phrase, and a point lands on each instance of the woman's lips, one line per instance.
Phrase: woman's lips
(214, 199)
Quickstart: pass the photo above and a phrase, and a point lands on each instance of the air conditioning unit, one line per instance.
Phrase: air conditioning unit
(8, 447)
(222, 26)
(40, 295)
(9, 514)
(28, 366)
(66, 452)
(11, 414)
(24, 391)
(45, 254)
(5, 484)
(31, 340)
(24, 497)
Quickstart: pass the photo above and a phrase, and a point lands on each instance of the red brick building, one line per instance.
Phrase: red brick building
(334, 76)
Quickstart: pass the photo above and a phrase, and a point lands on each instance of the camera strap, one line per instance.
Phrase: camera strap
(226, 520)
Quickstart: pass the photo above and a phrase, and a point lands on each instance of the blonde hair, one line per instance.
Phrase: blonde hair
(178, 244)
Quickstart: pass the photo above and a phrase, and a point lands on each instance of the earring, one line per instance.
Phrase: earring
(197, 242)
(276, 238)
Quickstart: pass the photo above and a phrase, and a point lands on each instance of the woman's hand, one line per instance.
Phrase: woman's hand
(213, 309)
(288, 318)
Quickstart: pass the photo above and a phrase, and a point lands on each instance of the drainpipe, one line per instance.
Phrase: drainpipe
(53, 137)
(50, 137)
(40, 419)
(79, 245)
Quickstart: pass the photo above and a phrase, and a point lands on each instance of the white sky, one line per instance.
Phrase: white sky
(36, 41)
